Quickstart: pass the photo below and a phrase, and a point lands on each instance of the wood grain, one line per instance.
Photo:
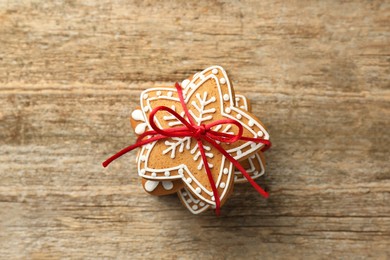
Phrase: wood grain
(317, 73)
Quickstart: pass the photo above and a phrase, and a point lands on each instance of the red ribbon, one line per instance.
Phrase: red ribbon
(200, 133)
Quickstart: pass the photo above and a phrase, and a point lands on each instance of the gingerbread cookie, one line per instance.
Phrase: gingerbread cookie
(209, 96)
(193, 137)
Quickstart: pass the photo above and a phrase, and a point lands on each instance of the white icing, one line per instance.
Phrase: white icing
(203, 102)
(260, 133)
(222, 185)
(185, 83)
(252, 170)
(146, 96)
(198, 190)
(173, 121)
(225, 171)
(177, 143)
(222, 80)
(228, 110)
(238, 116)
(138, 115)
(189, 180)
(167, 173)
(214, 71)
(154, 174)
(194, 207)
(140, 128)
(169, 94)
(158, 93)
(251, 123)
(151, 185)
(146, 109)
(226, 97)
(168, 185)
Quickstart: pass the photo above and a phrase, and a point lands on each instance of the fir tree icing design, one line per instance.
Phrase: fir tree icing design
(202, 115)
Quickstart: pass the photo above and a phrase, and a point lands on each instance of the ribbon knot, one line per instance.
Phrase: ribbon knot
(199, 132)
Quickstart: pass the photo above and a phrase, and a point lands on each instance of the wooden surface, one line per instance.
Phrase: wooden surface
(317, 72)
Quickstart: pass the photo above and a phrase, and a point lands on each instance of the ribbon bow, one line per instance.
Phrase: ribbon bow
(201, 133)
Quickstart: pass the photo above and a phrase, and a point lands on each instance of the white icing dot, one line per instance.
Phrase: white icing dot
(168, 185)
(251, 123)
(260, 133)
(166, 143)
(142, 171)
(151, 185)
(235, 177)
(169, 93)
(167, 173)
(214, 71)
(237, 99)
(239, 152)
(146, 96)
(222, 185)
(189, 201)
(255, 173)
(222, 80)
(140, 128)
(158, 93)
(212, 198)
(253, 145)
(180, 171)
(225, 171)
(201, 76)
(226, 97)
(198, 190)
(142, 158)
(154, 174)
(137, 115)
(252, 156)
(146, 109)
(184, 83)
(202, 204)
(189, 180)
(184, 193)
(194, 207)
(242, 107)
(238, 116)
(228, 110)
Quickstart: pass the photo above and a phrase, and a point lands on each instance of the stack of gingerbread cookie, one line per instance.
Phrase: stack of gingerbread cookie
(176, 163)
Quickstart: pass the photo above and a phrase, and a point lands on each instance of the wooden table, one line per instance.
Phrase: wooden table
(317, 73)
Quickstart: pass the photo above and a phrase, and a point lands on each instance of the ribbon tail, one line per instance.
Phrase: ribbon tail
(211, 180)
(239, 167)
(132, 147)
